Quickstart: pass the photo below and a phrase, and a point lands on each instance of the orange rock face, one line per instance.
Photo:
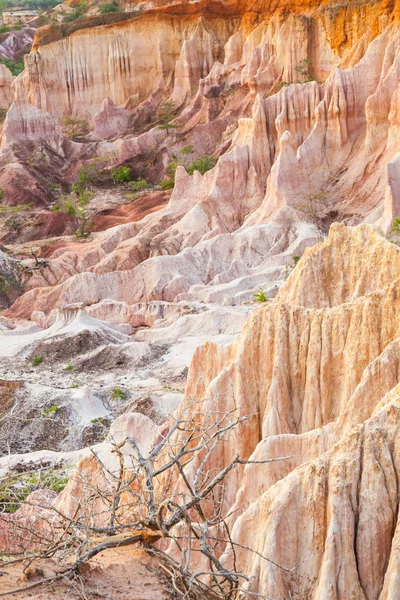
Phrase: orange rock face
(319, 374)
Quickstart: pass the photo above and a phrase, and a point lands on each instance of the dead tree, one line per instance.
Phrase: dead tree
(152, 499)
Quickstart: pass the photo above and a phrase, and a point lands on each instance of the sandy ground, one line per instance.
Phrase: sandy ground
(119, 574)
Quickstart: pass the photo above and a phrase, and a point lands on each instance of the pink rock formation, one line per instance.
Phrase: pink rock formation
(318, 374)
(6, 79)
(111, 121)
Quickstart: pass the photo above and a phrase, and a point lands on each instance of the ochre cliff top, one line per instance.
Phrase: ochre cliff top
(251, 12)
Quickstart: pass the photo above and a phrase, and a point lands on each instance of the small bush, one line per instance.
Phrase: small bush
(49, 412)
(69, 368)
(70, 207)
(94, 173)
(37, 360)
(130, 197)
(77, 13)
(3, 114)
(396, 226)
(75, 206)
(117, 394)
(139, 185)
(203, 164)
(15, 66)
(303, 71)
(97, 420)
(167, 184)
(110, 7)
(121, 175)
(75, 128)
(167, 113)
(187, 150)
(260, 296)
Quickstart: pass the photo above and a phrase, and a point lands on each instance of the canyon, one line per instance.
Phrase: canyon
(199, 216)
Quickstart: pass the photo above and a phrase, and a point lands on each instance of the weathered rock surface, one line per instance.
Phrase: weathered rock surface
(318, 374)
(300, 104)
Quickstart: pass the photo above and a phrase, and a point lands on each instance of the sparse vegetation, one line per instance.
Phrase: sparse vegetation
(75, 128)
(16, 487)
(50, 412)
(69, 368)
(167, 184)
(167, 113)
(97, 420)
(314, 197)
(395, 227)
(109, 7)
(260, 296)
(37, 360)
(292, 265)
(303, 71)
(172, 389)
(12, 210)
(15, 66)
(3, 114)
(118, 394)
(75, 205)
(93, 173)
(185, 159)
(202, 164)
(121, 175)
(140, 185)
(131, 197)
(77, 13)
(9, 284)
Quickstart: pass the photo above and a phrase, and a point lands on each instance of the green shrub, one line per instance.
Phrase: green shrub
(94, 173)
(139, 185)
(15, 66)
(260, 296)
(70, 207)
(167, 113)
(167, 184)
(130, 197)
(117, 394)
(77, 13)
(187, 150)
(3, 114)
(69, 368)
(37, 360)
(396, 226)
(75, 128)
(121, 175)
(303, 70)
(110, 7)
(203, 164)
(49, 412)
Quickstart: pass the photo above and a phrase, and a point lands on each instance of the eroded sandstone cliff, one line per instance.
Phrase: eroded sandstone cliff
(296, 108)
